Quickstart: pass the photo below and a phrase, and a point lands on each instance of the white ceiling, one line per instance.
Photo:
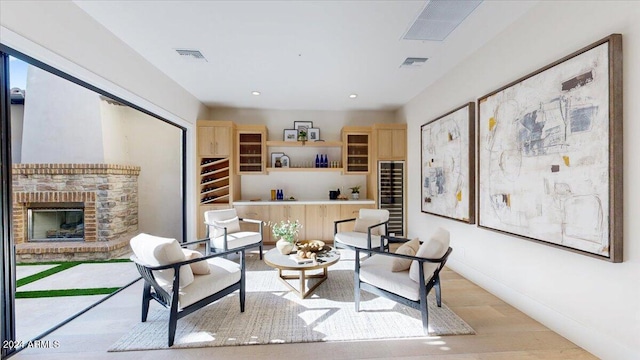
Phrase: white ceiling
(304, 55)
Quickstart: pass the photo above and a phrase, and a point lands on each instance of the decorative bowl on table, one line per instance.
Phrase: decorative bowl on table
(308, 249)
(310, 245)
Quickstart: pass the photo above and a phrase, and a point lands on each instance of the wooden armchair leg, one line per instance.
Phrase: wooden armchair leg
(146, 299)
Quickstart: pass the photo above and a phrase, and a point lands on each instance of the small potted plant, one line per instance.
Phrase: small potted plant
(355, 192)
(286, 232)
(302, 136)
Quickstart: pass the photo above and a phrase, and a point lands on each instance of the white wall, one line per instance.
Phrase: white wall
(301, 185)
(329, 122)
(594, 303)
(17, 117)
(61, 121)
(132, 137)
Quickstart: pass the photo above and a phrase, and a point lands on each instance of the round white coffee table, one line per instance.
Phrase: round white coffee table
(325, 258)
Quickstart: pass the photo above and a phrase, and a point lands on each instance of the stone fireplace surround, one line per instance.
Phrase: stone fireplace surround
(108, 192)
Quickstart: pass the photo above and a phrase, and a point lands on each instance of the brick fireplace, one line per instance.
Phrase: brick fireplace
(107, 194)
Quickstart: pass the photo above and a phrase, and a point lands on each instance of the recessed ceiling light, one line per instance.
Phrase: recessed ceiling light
(256, 93)
(353, 96)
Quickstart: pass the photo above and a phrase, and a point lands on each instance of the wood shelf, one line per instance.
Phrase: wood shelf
(272, 169)
(215, 162)
(212, 172)
(305, 144)
(217, 200)
(214, 181)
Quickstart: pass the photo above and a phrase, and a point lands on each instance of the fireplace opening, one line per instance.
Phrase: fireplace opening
(59, 223)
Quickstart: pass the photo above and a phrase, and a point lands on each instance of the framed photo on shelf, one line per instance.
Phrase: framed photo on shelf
(290, 135)
(313, 134)
(275, 157)
(302, 126)
(284, 161)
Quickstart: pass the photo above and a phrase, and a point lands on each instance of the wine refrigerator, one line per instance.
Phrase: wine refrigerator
(391, 194)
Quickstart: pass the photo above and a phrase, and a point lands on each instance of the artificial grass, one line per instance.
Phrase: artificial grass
(61, 267)
(64, 292)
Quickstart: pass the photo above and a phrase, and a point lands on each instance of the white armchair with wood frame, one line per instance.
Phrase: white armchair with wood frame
(407, 275)
(184, 280)
(223, 231)
(369, 230)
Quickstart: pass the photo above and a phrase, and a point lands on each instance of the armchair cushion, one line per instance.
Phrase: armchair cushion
(223, 273)
(157, 251)
(199, 267)
(232, 225)
(236, 240)
(375, 271)
(409, 248)
(362, 225)
(358, 239)
(434, 248)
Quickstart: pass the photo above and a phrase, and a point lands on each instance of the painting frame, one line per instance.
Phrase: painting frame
(447, 143)
(290, 135)
(567, 143)
(313, 134)
(274, 157)
(302, 125)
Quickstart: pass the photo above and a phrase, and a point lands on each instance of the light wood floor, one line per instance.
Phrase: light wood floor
(502, 333)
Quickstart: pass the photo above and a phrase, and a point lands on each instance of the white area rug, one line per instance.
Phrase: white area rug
(273, 314)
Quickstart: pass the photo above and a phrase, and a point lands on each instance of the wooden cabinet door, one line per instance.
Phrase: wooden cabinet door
(205, 140)
(250, 154)
(222, 141)
(331, 214)
(355, 153)
(214, 141)
(384, 143)
(319, 221)
(399, 141)
(391, 144)
(255, 212)
(292, 213)
(314, 222)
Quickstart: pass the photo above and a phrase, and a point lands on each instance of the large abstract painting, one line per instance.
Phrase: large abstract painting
(550, 158)
(448, 164)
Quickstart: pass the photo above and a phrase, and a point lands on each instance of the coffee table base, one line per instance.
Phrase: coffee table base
(303, 277)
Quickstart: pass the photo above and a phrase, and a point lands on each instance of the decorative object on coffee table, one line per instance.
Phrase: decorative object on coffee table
(286, 231)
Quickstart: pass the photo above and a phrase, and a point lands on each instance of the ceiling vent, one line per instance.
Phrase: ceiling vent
(413, 62)
(439, 18)
(191, 54)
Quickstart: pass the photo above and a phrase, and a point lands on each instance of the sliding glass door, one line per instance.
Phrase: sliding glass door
(83, 171)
